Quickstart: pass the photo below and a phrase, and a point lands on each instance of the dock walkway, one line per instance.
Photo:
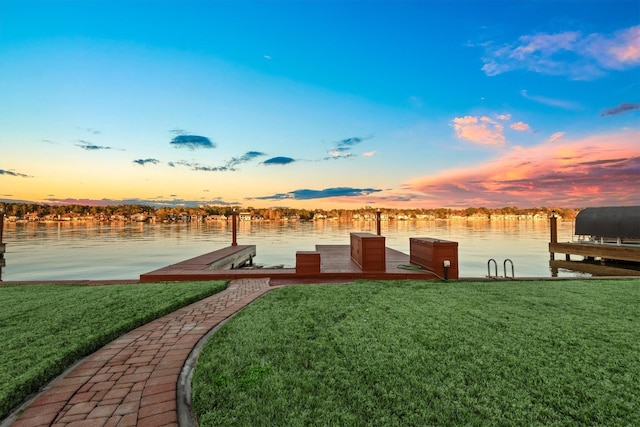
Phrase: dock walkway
(335, 264)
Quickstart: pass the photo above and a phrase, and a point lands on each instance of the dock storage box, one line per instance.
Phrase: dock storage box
(368, 251)
(432, 254)
(307, 262)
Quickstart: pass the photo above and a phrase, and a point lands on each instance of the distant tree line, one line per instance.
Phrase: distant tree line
(20, 210)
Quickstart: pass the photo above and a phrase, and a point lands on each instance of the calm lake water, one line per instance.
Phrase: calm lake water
(74, 251)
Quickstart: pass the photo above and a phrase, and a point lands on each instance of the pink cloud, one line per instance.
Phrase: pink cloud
(619, 51)
(480, 130)
(569, 53)
(555, 137)
(597, 170)
(521, 126)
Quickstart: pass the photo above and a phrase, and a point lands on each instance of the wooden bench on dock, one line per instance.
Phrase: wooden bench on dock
(307, 262)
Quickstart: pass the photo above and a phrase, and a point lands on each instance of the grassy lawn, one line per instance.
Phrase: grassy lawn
(45, 328)
(422, 353)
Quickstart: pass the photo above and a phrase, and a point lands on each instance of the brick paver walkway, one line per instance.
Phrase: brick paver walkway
(133, 380)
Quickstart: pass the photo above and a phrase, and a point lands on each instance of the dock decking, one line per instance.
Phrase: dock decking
(335, 264)
(606, 251)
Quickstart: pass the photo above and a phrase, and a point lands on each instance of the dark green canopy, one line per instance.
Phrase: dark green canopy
(617, 221)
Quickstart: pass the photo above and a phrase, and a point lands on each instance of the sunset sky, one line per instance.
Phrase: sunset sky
(321, 104)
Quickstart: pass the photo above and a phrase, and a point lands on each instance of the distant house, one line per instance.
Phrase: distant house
(31, 217)
(139, 217)
(216, 218)
(245, 216)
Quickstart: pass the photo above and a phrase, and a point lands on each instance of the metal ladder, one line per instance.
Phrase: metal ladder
(504, 264)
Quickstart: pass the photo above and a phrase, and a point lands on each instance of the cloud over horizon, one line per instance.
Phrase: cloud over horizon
(571, 54)
(306, 194)
(596, 170)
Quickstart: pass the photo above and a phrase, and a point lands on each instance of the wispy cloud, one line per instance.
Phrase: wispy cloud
(568, 105)
(86, 145)
(195, 166)
(143, 162)
(598, 170)
(571, 54)
(369, 153)
(622, 108)
(306, 194)
(90, 130)
(280, 160)
(480, 130)
(337, 154)
(555, 137)
(246, 157)
(12, 173)
(192, 141)
(342, 148)
(229, 166)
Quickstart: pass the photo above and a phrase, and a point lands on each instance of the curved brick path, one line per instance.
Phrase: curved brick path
(133, 380)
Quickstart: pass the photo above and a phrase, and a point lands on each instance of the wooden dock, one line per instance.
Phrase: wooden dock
(597, 250)
(609, 246)
(335, 265)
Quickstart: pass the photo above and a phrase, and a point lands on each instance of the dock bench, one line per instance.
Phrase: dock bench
(307, 262)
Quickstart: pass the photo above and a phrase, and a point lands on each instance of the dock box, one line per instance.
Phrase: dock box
(368, 251)
(432, 254)
(307, 262)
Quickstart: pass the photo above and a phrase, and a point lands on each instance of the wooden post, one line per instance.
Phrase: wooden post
(378, 216)
(2, 245)
(1, 223)
(234, 229)
(554, 230)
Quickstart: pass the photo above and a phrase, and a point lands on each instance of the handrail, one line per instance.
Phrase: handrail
(513, 275)
(489, 268)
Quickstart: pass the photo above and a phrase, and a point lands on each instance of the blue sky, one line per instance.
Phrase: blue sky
(321, 104)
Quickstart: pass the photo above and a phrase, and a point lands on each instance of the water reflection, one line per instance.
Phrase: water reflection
(76, 250)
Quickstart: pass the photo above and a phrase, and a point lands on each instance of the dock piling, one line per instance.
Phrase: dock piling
(2, 245)
(554, 232)
(234, 228)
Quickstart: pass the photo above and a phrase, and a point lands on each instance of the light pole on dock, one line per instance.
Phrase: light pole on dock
(378, 216)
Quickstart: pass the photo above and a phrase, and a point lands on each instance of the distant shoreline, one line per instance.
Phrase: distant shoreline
(454, 218)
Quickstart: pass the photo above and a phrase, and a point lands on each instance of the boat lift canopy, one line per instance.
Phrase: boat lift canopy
(609, 222)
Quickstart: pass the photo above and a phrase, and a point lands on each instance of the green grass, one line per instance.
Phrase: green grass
(424, 353)
(45, 328)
